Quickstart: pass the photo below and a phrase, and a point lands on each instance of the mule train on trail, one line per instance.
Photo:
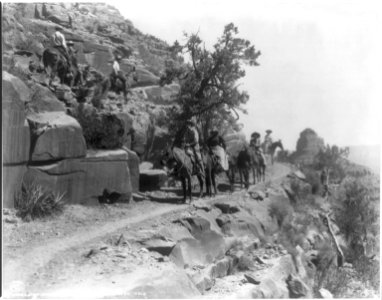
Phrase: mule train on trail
(181, 163)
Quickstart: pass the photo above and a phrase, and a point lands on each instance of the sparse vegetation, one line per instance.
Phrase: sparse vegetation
(35, 201)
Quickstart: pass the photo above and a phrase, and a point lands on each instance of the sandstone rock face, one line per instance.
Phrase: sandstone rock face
(43, 100)
(152, 179)
(55, 135)
(167, 283)
(14, 89)
(206, 246)
(162, 95)
(16, 136)
(133, 161)
(12, 181)
(145, 78)
(308, 146)
(83, 180)
(16, 141)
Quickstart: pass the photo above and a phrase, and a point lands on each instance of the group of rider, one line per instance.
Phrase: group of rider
(68, 51)
(215, 142)
(216, 145)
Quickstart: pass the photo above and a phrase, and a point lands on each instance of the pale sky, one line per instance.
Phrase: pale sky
(320, 65)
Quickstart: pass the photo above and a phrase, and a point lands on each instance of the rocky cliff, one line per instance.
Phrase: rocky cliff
(53, 134)
(60, 138)
(308, 145)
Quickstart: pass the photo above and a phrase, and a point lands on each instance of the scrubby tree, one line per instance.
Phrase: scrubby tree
(209, 80)
(331, 161)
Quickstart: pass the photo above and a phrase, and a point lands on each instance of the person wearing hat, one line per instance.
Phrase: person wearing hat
(117, 74)
(191, 141)
(59, 43)
(267, 140)
(217, 147)
(255, 140)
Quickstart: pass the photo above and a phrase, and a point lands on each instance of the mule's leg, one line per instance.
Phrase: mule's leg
(254, 173)
(208, 182)
(214, 182)
(229, 180)
(183, 179)
(189, 187)
(241, 177)
(200, 178)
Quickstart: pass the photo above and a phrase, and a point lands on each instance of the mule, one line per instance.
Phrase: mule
(180, 165)
(272, 149)
(54, 60)
(258, 166)
(213, 167)
(244, 163)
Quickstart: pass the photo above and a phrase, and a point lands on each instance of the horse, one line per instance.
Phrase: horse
(272, 149)
(258, 166)
(180, 164)
(54, 60)
(213, 167)
(244, 163)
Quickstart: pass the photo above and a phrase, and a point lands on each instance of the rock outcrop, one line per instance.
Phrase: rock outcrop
(55, 136)
(308, 146)
(83, 180)
(16, 136)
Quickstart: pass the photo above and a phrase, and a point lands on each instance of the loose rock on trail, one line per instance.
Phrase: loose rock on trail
(134, 250)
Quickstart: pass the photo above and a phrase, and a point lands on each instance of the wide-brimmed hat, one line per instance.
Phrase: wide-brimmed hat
(268, 131)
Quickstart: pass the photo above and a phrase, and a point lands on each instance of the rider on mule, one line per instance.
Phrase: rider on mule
(117, 74)
(255, 144)
(217, 147)
(267, 141)
(59, 43)
(191, 142)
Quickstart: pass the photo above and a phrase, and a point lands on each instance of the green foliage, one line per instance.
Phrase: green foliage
(313, 178)
(357, 213)
(332, 159)
(35, 201)
(209, 89)
(280, 210)
(102, 130)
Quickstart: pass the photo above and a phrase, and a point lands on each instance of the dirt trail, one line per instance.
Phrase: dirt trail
(38, 257)
(19, 270)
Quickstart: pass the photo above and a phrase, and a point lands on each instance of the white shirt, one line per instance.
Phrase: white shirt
(116, 67)
(59, 39)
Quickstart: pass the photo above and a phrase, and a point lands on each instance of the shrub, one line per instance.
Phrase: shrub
(35, 201)
(280, 210)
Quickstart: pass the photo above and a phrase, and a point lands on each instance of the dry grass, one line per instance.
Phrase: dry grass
(35, 201)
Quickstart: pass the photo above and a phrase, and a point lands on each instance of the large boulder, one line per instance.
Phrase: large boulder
(44, 100)
(168, 282)
(83, 180)
(145, 78)
(206, 246)
(55, 135)
(162, 95)
(150, 180)
(127, 122)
